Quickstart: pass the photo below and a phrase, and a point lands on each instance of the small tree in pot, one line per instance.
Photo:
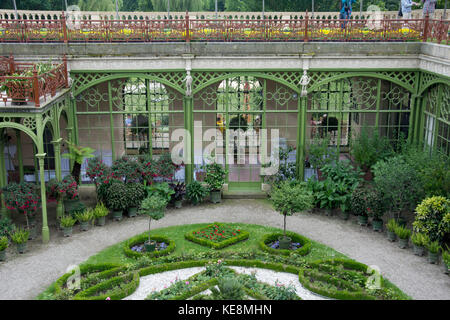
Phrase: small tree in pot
(215, 178)
(153, 206)
(288, 198)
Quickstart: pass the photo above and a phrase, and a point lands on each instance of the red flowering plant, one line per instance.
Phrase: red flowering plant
(103, 182)
(23, 197)
(128, 169)
(96, 169)
(148, 170)
(165, 168)
(68, 188)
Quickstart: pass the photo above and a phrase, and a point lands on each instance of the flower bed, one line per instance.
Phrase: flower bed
(217, 235)
(268, 244)
(139, 240)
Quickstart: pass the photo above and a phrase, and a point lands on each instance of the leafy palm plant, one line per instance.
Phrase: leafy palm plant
(77, 154)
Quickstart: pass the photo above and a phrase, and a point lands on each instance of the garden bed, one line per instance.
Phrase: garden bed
(217, 235)
(132, 246)
(302, 244)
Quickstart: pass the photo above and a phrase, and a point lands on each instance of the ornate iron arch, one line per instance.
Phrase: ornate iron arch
(18, 126)
(79, 86)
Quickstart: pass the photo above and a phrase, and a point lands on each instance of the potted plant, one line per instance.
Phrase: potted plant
(117, 199)
(359, 205)
(179, 189)
(367, 149)
(77, 154)
(419, 241)
(320, 154)
(85, 218)
(390, 226)
(445, 260)
(96, 169)
(100, 213)
(67, 223)
(433, 251)
(153, 206)
(3, 245)
(135, 195)
(432, 218)
(68, 190)
(215, 178)
(288, 198)
(403, 235)
(20, 238)
(375, 209)
(128, 169)
(196, 192)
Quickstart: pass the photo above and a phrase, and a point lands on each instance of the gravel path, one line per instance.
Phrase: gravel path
(25, 276)
(160, 281)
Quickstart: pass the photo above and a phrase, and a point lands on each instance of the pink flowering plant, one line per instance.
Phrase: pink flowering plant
(68, 188)
(96, 169)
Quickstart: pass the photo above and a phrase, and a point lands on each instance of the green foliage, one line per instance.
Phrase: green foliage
(153, 206)
(433, 246)
(288, 198)
(24, 197)
(20, 236)
(6, 226)
(398, 183)
(97, 169)
(419, 239)
(77, 153)
(366, 201)
(369, 149)
(402, 232)
(215, 176)
(98, 5)
(392, 225)
(238, 122)
(85, 216)
(4, 242)
(162, 189)
(446, 257)
(432, 218)
(67, 188)
(100, 210)
(433, 169)
(143, 237)
(228, 288)
(67, 221)
(319, 152)
(116, 196)
(196, 192)
(286, 170)
(135, 194)
(179, 189)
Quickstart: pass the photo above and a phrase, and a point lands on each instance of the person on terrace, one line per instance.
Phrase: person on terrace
(406, 8)
(428, 8)
(346, 11)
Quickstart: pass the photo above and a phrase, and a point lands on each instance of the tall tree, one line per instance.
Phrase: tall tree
(98, 5)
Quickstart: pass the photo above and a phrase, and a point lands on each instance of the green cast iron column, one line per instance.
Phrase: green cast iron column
(415, 103)
(301, 150)
(57, 148)
(41, 156)
(111, 121)
(19, 154)
(3, 178)
(189, 145)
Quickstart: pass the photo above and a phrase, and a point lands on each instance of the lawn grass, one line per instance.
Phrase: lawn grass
(115, 253)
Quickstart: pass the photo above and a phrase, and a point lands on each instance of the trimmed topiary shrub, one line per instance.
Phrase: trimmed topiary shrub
(303, 250)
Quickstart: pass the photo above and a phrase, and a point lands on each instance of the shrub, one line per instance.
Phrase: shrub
(446, 257)
(392, 225)
(366, 201)
(433, 246)
(430, 214)
(68, 188)
(100, 210)
(179, 189)
(85, 216)
(228, 288)
(96, 169)
(288, 198)
(419, 239)
(402, 232)
(23, 197)
(162, 189)
(3, 243)
(398, 183)
(286, 170)
(67, 221)
(319, 152)
(165, 168)
(367, 149)
(20, 236)
(135, 194)
(127, 168)
(215, 176)
(116, 196)
(196, 192)
(6, 226)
